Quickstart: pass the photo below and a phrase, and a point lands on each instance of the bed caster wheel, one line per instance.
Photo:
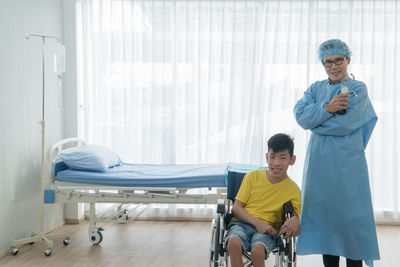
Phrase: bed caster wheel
(14, 250)
(96, 238)
(123, 218)
(123, 215)
(66, 241)
(47, 252)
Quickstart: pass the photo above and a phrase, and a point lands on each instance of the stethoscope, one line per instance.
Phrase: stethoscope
(345, 90)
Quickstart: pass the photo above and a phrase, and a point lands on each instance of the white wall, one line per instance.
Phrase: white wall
(70, 91)
(20, 112)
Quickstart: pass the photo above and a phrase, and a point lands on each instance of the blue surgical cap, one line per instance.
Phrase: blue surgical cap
(333, 47)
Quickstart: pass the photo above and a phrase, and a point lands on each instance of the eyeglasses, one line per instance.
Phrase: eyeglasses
(338, 61)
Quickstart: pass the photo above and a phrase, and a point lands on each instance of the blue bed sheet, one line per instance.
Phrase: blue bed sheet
(151, 175)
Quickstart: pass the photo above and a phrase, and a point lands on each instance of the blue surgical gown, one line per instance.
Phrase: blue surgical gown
(337, 215)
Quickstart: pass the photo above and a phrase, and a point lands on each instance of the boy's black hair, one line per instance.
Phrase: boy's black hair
(279, 142)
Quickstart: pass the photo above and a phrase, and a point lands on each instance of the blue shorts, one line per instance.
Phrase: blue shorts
(249, 237)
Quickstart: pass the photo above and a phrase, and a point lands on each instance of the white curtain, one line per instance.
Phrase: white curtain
(174, 81)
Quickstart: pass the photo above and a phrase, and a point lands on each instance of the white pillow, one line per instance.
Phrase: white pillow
(90, 158)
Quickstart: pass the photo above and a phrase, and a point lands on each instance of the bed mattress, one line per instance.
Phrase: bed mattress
(151, 175)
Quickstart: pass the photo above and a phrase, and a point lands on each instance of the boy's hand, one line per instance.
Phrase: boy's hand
(265, 228)
(291, 227)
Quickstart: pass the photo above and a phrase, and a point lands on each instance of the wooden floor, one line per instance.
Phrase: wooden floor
(158, 243)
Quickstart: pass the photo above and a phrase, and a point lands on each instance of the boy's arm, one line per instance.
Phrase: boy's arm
(262, 227)
(291, 227)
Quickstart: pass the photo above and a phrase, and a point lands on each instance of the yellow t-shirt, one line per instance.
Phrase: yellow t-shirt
(265, 200)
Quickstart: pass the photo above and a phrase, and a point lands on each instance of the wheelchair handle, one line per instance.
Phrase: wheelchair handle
(221, 206)
(288, 207)
(287, 210)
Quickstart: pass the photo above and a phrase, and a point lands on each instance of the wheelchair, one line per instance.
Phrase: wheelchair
(285, 254)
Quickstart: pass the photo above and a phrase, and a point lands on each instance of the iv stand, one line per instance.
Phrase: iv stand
(41, 237)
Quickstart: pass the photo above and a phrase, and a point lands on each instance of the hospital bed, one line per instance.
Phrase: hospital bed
(132, 183)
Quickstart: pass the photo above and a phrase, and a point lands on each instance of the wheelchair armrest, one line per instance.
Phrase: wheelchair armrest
(221, 206)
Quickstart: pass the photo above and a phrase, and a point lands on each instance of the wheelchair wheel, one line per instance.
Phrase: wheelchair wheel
(212, 241)
(291, 253)
(285, 256)
(217, 240)
(213, 252)
(216, 246)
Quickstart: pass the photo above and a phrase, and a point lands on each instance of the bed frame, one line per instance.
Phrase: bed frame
(64, 192)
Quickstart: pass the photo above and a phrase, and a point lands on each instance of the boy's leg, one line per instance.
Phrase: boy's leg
(261, 244)
(353, 263)
(330, 260)
(235, 251)
(237, 239)
(258, 255)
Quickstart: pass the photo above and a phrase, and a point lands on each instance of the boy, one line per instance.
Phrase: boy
(259, 202)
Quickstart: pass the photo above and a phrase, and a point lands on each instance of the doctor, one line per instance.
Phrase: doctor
(337, 217)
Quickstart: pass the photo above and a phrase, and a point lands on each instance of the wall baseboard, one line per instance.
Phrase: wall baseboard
(387, 223)
(74, 221)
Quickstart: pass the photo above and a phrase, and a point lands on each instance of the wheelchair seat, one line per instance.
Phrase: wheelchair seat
(285, 255)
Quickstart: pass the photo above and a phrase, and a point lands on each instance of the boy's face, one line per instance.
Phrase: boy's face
(278, 163)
